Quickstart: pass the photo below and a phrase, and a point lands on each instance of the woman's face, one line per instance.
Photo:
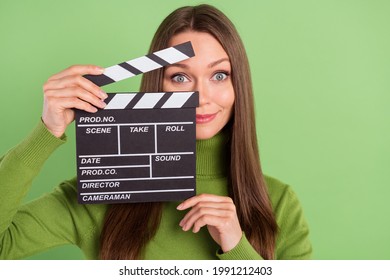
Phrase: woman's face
(207, 72)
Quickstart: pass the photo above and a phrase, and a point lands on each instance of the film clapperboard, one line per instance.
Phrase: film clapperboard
(141, 146)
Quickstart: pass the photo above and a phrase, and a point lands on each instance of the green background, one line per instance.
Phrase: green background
(321, 73)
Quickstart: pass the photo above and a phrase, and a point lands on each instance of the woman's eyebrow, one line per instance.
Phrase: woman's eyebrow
(180, 65)
(211, 65)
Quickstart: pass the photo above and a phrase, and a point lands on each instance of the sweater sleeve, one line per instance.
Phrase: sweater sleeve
(242, 251)
(293, 241)
(23, 229)
(18, 168)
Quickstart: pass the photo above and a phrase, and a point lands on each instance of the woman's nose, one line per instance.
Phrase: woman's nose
(204, 93)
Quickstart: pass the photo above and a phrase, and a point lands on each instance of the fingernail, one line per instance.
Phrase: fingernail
(181, 223)
(103, 94)
(179, 207)
(103, 104)
(101, 69)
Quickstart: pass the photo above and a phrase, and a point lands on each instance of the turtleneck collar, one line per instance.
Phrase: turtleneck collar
(211, 156)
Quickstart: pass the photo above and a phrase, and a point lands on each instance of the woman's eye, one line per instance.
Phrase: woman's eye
(180, 79)
(220, 76)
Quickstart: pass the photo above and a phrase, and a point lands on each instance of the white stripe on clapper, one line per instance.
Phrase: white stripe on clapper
(148, 100)
(120, 101)
(117, 73)
(171, 55)
(144, 64)
(177, 100)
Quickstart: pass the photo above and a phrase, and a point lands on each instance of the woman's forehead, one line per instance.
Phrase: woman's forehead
(208, 50)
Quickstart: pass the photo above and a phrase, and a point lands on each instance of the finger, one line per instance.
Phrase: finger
(58, 96)
(78, 70)
(214, 205)
(202, 197)
(76, 103)
(192, 219)
(72, 81)
(209, 220)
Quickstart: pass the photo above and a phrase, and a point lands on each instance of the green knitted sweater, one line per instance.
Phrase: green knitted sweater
(56, 218)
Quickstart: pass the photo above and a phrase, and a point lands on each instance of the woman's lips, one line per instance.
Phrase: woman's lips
(205, 118)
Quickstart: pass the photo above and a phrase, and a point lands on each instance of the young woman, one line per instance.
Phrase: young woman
(238, 213)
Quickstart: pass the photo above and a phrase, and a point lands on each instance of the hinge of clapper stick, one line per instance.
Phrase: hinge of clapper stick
(143, 64)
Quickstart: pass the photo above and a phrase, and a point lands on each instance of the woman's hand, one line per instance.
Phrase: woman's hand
(218, 213)
(67, 90)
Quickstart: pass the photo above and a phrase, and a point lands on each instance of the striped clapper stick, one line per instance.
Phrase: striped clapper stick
(143, 64)
(140, 148)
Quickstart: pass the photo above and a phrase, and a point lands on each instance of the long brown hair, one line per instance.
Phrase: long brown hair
(125, 232)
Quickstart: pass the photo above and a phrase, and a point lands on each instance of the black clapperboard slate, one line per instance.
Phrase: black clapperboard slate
(141, 146)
